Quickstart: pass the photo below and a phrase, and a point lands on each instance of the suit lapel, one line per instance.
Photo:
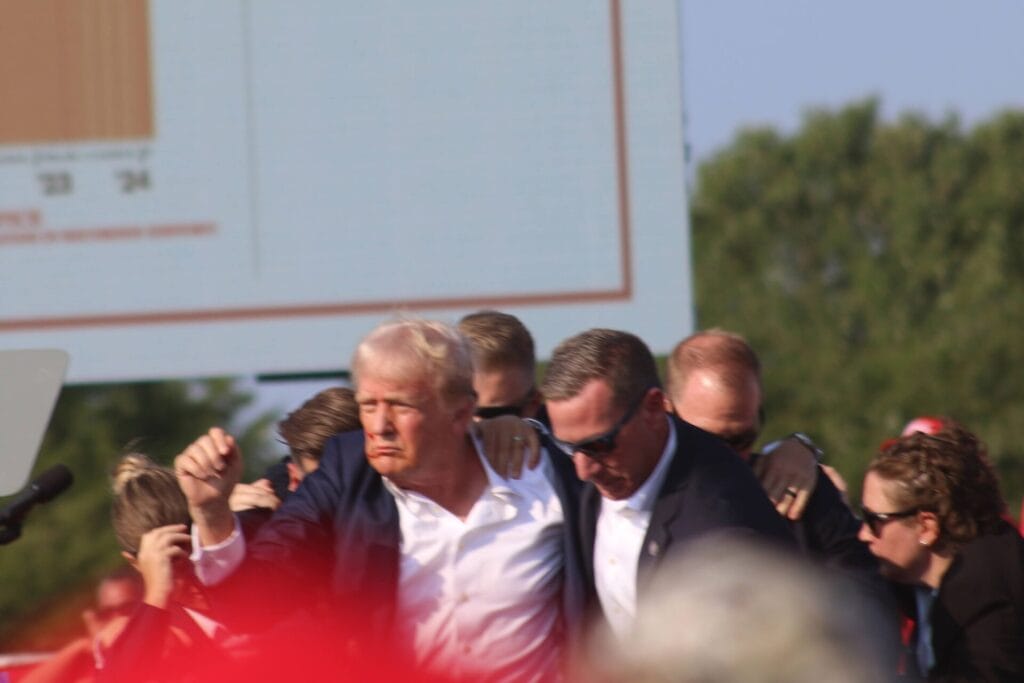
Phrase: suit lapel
(668, 504)
(590, 505)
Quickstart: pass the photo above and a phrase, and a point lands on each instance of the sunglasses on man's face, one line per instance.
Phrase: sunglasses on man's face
(743, 441)
(740, 441)
(877, 520)
(489, 412)
(595, 447)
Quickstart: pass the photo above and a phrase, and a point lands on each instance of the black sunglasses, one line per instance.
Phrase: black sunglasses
(488, 412)
(876, 520)
(742, 441)
(596, 447)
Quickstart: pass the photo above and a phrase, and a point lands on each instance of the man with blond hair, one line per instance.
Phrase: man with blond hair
(413, 533)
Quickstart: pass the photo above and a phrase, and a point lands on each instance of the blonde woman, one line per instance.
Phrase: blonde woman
(169, 633)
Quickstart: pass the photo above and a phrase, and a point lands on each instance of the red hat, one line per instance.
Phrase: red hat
(925, 424)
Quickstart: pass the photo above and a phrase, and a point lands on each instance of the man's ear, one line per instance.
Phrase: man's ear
(464, 411)
(533, 404)
(295, 475)
(654, 402)
(130, 559)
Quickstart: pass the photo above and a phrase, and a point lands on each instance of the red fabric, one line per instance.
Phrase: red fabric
(926, 424)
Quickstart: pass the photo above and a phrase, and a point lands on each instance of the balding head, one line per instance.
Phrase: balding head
(714, 382)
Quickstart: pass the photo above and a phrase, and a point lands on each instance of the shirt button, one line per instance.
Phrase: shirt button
(465, 649)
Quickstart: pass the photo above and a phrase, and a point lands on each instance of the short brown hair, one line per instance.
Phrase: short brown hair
(308, 428)
(727, 353)
(146, 496)
(619, 358)
(947, 473)
(499, 341)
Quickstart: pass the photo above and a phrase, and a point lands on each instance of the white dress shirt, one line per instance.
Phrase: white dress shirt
(483, 594)
(477, 598)
(621, 528)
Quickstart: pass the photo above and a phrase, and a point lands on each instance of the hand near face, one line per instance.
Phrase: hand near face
(259, 494)
(159, 550)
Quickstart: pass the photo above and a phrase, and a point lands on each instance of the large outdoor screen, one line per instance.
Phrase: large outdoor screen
(192, 188)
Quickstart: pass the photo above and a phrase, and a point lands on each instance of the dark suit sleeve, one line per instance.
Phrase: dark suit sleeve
(708, 489)
(137, 652)
(730, 494)
(578, 595)
(829, 530)
(287, 562)
(978, 618)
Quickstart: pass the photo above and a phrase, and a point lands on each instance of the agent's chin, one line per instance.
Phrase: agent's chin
(613, 490)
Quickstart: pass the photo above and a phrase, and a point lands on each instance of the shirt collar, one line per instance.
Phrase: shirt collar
(496, 485)
(643, 498)
(214, 630)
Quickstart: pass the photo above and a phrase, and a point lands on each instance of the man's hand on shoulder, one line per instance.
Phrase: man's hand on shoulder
(788, 471)
(508, 442)
(259, 494)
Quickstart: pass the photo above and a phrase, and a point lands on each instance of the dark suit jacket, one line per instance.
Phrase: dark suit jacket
(707, 488)
(978, 617)
(827, 531)
(340, 532)
(147, 650)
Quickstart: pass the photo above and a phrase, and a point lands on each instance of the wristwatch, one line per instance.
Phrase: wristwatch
(819, 454)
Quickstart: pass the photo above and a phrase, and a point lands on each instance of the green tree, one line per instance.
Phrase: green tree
(878, 268)
(68, 544)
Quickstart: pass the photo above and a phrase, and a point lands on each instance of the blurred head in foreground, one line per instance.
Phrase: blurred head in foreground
(732, 610)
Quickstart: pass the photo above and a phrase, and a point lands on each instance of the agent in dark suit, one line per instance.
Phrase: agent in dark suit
(714, 382)
(653, 481)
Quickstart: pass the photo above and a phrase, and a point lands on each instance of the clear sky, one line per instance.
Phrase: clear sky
(750, 62)
(755, 63)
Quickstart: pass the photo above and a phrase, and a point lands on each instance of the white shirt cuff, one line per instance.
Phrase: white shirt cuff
(215, 563)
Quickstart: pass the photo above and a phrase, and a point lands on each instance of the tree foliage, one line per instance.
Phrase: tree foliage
(878, 269)
(67, 545)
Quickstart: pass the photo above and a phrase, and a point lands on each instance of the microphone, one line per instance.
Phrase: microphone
(46, 487)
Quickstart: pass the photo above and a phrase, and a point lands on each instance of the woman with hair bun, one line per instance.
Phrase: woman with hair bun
(933, 516)
(169, 631)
